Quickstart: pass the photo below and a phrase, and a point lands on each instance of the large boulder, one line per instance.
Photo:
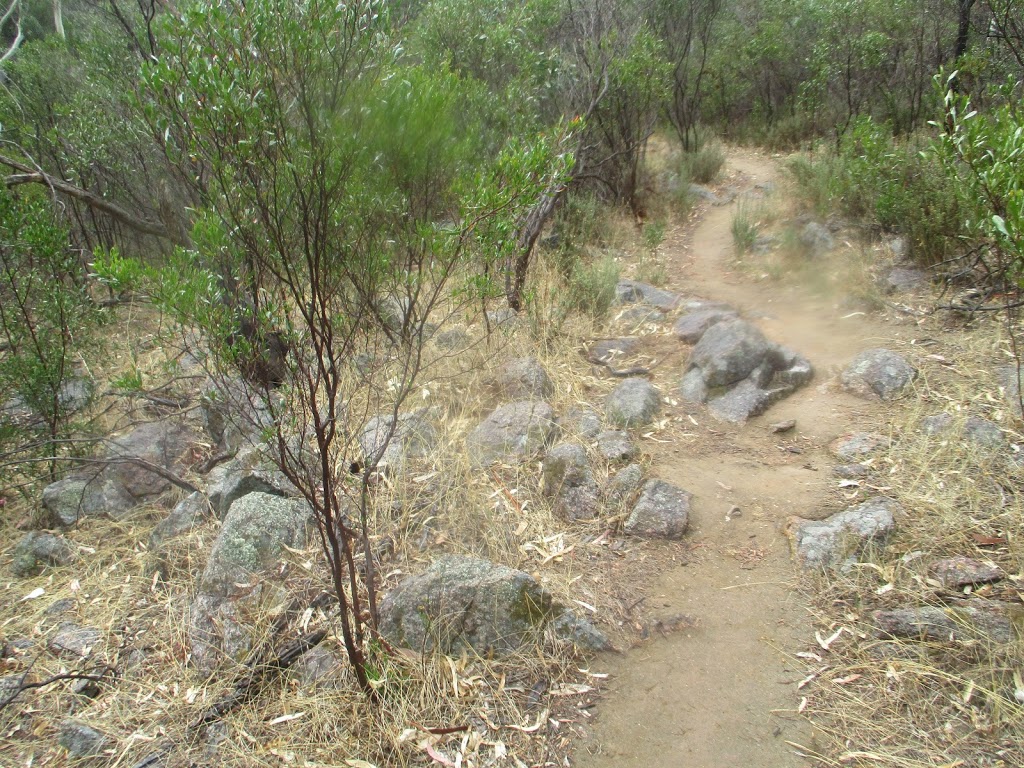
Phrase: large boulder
(878, 373)
(121, 484)
(837, 541)
(241, 577)
(524, 378)
(739, 373)
(251, 471)
(463, 602)
(567, 477)
(662, 511)
(37, 550)
(412, 437)
(514, 431)
(634, 403)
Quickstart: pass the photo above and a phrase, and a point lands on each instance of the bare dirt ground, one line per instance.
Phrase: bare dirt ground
(724, 691)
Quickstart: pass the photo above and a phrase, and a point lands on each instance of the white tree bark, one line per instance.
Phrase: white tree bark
(14, 9)
(58, 18)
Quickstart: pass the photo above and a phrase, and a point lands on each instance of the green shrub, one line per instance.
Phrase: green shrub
(703, 165)
(592, 286)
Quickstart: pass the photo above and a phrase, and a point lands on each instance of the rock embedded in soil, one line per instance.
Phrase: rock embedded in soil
(857, 446)
(80, 739)
(984, 621)
(582, 422)
(567, 476)
(513, 432)
(936, 424)
(878, 373)
(613, 351)
(234, 414)
(1009, 380)
(633, 403)
(567, 627)
(838, 540)
(249, 472)
(624, 484)
(662, 511)
(816, 238)
(191, 511)
(37, 549)
(634, 316)
(466, 603)
(635, 292)
(116, 488)
(241, 575)
(524, 378)
(959, 572)
(850, 471)
(74, 640)
(739, 374)
(904, 279)
(983, 433)
(616, 446)
(692, 326)
(414, 437)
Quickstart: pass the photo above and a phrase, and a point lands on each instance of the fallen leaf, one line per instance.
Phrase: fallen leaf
(987, 541)
(37, 592)
(286, 718)
(847, 679)
(359, 764)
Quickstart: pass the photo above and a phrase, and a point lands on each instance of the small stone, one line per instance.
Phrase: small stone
(635, 316)
(38, 550)
(624, 484)
(188, 513)
(959, 572)
(857, 446)
(453, 339)
(634, 403)
(993, 622)
(524, 378)
(616, 446)
(662, 511)
(983, 433)
(850, 471)
(901, 279)
(614, 351)
(583, 422)
(75, 640)
(816, 239)
(581, 633)
(836, 541)
(414, 437)
(635, 292)
(936, 424)
(691, 327)
(567, 476)
(513, 432)
(878, 373)
(81, 740)
(783, 426)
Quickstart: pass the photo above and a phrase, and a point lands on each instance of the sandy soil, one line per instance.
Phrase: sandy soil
(724, 692)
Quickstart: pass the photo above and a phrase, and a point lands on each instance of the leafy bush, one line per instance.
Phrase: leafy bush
(592, 286)
(702, 165)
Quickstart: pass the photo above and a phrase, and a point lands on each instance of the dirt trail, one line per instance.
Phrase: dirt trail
(723, 693)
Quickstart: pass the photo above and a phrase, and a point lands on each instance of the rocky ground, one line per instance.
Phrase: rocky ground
(650, 520)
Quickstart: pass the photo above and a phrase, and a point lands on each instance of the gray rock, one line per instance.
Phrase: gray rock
(614, 351)
(836, 541)
(320, 667)
(118, 487)
(567, 627)
(691, 327)
(81, 740)
(903, 279)
(983, 433)
(857, 446)
(635, 292)
(899, 247)
(75, 395)
(936, 424)
(701, 193)
(960, 572)
(583, 422)
(616, 446)
(636, 316)
(414, 437)
(514, 432)
(634, 403)
(39, 549)
(234, 414)
(453, 339)
(188, 513)
(878, 373)
(988, 622)
(9, 686)
(524, 378)
(624, 484)
(249, 472)
(463, 602)
(816, 238)
(568, 477)
(662, 511)
(240, 574)
(850, 471)
(739, 373)
(72, 639)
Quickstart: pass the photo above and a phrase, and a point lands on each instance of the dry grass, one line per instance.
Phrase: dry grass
(879, 701)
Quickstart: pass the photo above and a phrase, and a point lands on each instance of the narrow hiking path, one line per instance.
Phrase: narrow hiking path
(724, 692)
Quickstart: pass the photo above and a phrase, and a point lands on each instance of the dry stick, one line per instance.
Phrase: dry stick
(106, 669)
(166, 474)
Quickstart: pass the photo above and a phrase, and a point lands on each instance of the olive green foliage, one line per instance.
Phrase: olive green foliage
(46, 319)
(983, 154)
